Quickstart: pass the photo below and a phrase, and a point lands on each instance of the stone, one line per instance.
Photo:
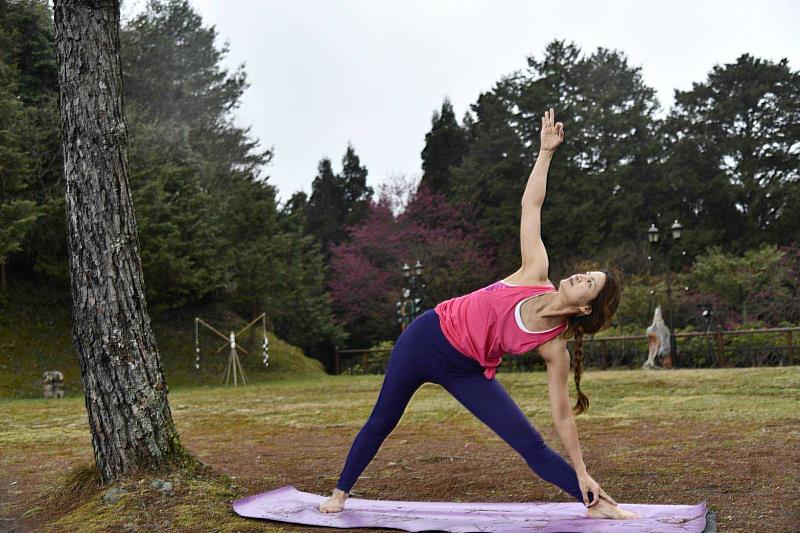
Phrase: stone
(113, 494)
(7, 525)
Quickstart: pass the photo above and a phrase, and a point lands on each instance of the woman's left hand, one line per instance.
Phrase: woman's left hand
(552, 132)
(587, 485)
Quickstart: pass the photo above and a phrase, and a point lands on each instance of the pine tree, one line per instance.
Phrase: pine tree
(743, 126)
(337, 200)
(491, 178)
(17, 213)
(31, 201)
(601, 177)
(293, 212)
(445, 147)
(176, 83)
(357, 194)
(187, 157)
(278, 271)
(326, 208)
(121, 371)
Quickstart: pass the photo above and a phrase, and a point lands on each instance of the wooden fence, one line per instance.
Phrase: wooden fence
(716, 349)
(712, 349)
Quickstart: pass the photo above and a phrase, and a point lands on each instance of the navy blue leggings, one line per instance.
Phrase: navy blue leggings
(423, 354)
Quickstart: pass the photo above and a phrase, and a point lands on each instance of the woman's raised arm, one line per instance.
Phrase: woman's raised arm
(534, 256)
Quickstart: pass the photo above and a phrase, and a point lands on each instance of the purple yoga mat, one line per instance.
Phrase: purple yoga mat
(288, 504)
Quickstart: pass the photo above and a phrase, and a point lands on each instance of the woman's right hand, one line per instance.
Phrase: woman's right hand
(552, 132)
(588, 484)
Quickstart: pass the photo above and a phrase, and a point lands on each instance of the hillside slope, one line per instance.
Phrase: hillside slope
(35, 337)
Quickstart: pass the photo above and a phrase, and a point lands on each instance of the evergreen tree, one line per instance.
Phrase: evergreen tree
(357, 194)
(28, 42)
(210, 222)
(126, 394)
(293, 212)
(600, 181)
(183, 247)
(491, 178)
(445, 147)
(602, 188)
(733, 140)
(326, 209)
(175, 82)
(193, 173)
(277, 271)
(186, 154)
(740, 283)
(32, 234)
(17, 213)
(337, 201)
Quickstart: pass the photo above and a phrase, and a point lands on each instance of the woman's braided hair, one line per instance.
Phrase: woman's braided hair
(603, 308)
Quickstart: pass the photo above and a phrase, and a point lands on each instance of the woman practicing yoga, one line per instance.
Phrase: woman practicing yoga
(460, 344)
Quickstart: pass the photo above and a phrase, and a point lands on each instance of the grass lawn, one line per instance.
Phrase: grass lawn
(728, 436)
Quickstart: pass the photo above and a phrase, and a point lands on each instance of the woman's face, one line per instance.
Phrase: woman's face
(584, 287)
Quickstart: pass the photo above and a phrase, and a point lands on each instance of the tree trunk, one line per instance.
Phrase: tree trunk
(126, 395)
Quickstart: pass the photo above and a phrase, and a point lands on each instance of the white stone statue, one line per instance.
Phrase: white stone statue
(658, 343)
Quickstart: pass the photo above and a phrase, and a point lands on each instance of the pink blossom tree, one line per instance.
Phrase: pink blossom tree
(366, 279)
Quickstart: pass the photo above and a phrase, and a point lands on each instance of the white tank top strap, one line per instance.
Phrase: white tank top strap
(518, 316)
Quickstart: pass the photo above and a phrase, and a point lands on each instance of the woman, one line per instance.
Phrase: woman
(460, 343)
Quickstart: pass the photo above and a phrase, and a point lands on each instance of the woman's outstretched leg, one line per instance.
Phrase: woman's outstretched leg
(489, 401)
(402, 380)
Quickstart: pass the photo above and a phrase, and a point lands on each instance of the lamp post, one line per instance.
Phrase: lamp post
(410, 303)
(654, 238)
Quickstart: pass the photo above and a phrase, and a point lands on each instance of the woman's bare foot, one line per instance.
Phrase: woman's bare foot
(605, 509)
(335, 503)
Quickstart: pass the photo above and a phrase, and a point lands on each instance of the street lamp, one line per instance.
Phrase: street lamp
(677, 230)
(410, 303)
(653, 236)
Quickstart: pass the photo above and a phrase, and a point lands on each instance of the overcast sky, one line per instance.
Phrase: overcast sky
(327, 72)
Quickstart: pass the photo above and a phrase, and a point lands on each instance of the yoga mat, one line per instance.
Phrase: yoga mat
(288, 504)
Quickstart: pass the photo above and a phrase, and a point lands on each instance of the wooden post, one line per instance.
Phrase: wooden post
(605, 353)
(720, 357)
(233, 362)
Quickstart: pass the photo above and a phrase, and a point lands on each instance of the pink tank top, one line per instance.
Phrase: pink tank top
(487, 323)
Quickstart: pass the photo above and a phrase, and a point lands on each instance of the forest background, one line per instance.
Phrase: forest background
(325, 267)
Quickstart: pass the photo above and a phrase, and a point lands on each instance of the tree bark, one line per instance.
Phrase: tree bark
(125, 390)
